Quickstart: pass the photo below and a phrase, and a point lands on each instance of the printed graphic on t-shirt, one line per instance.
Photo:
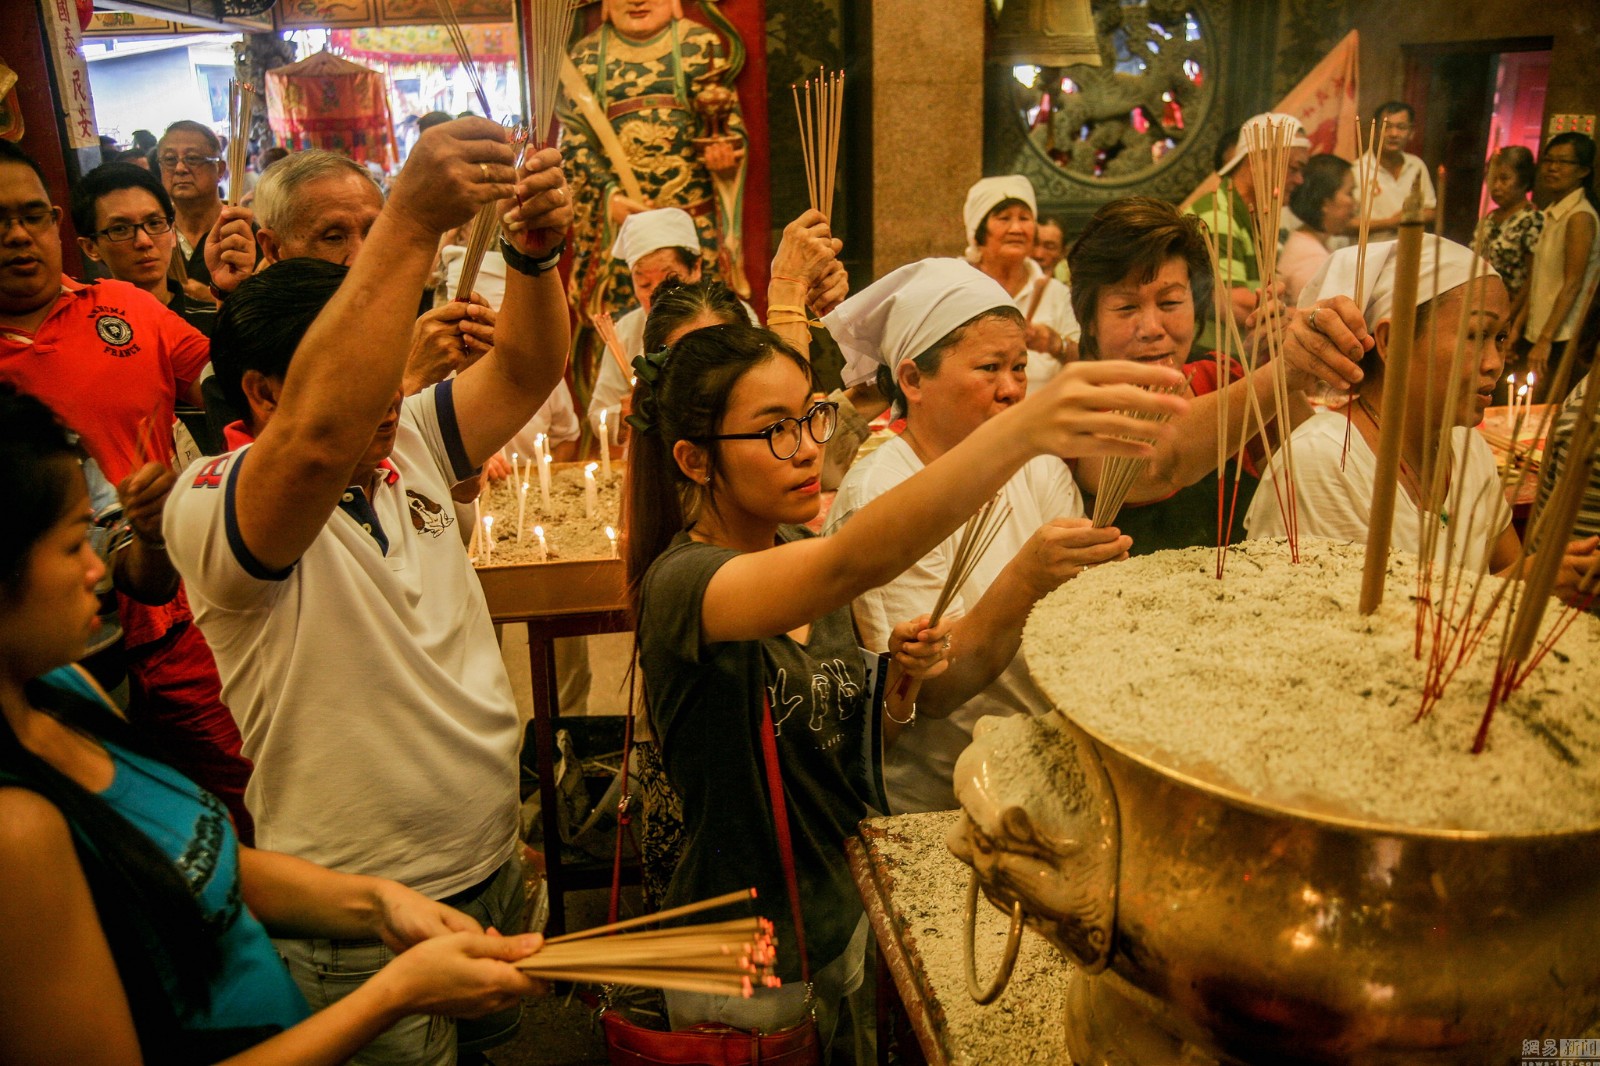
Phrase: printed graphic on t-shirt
(427, 516)
(111, 325)
(833, 696)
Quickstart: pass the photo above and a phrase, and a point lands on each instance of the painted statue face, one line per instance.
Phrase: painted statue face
(640, 19)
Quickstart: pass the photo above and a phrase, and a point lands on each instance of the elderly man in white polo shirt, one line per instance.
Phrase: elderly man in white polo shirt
(351, 634)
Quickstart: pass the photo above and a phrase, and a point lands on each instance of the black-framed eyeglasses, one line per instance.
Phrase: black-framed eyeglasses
(192, 160)
(35, 220)
(783, 436)
(125, 231)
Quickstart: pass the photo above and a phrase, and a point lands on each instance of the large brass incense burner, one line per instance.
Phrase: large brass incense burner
(1211, 927)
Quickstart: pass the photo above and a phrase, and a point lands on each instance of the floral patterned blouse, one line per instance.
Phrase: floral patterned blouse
(1508, 244)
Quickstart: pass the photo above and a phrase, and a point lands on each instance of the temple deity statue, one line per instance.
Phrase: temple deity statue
(650, 119)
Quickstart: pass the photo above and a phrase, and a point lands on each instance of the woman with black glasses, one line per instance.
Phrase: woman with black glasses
(740, 612)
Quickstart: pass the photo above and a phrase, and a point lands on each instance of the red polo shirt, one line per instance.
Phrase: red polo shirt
(108, 356)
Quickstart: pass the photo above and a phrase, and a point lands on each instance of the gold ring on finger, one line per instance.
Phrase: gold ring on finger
(485, 168)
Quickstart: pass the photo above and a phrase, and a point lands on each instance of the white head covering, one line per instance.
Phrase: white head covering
(651, 231)
(988, 194)
(903, 313)
(1457, 266)
(1267, 119)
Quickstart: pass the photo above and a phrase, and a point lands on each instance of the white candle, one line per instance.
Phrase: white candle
(605, 447)
(539, 448)
(544, 481)
(477, 527)
(611, 535)
(1528, 409)
(538, 531)
(591, 494)
(488, 539)
(522, 509)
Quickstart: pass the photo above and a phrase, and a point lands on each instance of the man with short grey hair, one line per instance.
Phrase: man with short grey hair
(318, 204)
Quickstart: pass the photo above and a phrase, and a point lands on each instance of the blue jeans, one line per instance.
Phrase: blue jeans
(328, 970)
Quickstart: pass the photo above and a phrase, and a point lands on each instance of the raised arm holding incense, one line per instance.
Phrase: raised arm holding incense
(497, 395)
(1325, 348)
(1080, 410)
(345, 377)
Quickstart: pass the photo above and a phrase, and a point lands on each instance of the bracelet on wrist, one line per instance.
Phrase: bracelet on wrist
(791, 277)
(533, 266)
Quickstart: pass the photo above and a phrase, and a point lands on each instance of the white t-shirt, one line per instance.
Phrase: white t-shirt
(918, 768)
(490, 282)
(366, 680)
(1389, 197)
(1055, 311)
(1337, 504)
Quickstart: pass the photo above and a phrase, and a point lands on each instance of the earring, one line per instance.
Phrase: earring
(708, 479)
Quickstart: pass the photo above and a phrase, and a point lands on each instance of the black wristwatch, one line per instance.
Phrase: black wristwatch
(527, 264)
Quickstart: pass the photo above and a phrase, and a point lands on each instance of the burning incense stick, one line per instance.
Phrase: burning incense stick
(820, 110)
(1391, 429)
(549, 27)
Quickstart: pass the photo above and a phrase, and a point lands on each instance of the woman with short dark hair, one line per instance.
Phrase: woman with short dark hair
(1142, 287)
(1324, 205)
(1507, 234)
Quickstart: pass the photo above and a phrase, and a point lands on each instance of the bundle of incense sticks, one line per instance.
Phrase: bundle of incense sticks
(606, 327)
(820, 109)
(485, 228)
(240, 107)
(1267, 151)
(549, 26)
(458, 38)
(722, 958)
(1367, 174)
(976, 536)
(1119, 472)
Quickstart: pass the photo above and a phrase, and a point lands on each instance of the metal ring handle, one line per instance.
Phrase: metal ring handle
(984, 997)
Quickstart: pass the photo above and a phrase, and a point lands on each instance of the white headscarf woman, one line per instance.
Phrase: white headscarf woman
(1333, 485)
(999, 220)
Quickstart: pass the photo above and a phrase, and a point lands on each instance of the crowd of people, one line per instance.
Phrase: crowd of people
(258, 766)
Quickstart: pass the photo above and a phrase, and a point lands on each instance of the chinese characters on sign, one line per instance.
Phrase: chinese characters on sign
(72, 76)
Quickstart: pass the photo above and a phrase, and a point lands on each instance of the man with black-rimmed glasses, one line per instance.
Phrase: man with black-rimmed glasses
(124, 219)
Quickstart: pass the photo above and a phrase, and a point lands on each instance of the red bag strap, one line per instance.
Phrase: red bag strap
(780, 822)
(624, 817)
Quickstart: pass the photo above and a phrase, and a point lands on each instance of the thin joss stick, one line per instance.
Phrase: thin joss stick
(1118, 474)
(743, 895)
(803, 116)
(458, 38)
(819, 108)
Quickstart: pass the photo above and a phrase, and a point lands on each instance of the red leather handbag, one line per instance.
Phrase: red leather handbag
(711, 1043)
